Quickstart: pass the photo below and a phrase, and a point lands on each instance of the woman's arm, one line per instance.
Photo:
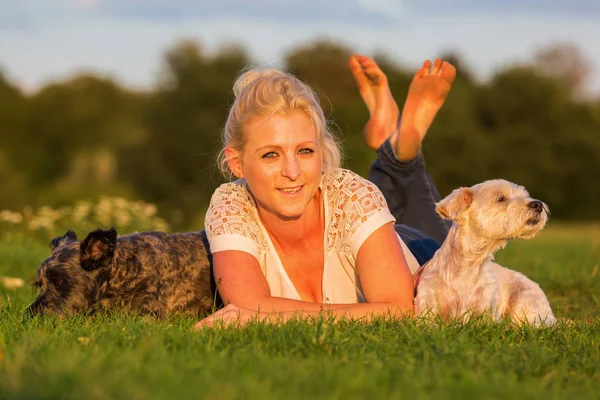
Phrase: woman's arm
(382, 270)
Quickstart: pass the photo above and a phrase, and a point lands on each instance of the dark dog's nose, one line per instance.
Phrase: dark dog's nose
(31, 311)
(34, 308)
(536, 205)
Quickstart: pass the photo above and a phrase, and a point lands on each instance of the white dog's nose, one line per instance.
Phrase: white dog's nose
(536, 205)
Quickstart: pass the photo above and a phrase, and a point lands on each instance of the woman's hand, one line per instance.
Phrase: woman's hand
(228, 316)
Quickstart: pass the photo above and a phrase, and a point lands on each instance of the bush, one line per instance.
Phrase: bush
(82, 217)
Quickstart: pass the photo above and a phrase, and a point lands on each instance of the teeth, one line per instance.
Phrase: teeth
(290, 190)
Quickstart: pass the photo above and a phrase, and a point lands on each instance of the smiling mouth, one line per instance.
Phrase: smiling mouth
(291, 190)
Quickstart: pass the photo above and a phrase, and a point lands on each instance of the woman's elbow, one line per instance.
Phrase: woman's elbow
(402, 306)
(256, 303)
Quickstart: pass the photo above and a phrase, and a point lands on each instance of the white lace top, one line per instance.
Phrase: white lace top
(354, 209)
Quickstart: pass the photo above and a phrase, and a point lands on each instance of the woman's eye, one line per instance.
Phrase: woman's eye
(307, 151)
(500, 199)
(270, 154)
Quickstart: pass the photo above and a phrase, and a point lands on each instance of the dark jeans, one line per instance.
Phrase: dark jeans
(411, 196)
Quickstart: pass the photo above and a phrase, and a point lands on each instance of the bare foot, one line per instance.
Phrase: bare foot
(426, 94)
(375, 92)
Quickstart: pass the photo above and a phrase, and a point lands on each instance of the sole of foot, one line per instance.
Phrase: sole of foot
(374, 89)
(426, 95)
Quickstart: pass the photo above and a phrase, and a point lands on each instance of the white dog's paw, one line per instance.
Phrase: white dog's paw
(537, 319)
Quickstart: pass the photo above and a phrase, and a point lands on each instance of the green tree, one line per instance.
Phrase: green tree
(538, 139)
(88, 135)
(175, 166)
(13, 105)
(73, 130)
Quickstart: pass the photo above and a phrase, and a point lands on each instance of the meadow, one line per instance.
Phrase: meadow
(120, 356)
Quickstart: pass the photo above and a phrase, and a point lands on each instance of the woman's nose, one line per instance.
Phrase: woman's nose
(291, 168)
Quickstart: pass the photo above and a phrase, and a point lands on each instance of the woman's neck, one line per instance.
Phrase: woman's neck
(289, 233)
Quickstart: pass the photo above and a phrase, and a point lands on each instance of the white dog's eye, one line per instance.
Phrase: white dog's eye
(500, 199)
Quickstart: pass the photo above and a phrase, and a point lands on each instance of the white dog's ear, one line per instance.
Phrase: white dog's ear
(455, 203)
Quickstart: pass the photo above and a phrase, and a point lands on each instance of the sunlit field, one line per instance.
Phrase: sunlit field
(136, 357)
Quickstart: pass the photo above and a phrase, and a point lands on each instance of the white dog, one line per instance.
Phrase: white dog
(461, 279)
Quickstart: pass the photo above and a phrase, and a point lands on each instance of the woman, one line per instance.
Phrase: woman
(295, 235)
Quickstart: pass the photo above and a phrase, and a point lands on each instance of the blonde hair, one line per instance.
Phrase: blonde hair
(266, 92)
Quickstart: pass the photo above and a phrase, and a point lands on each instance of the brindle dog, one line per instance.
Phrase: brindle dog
(150, 272)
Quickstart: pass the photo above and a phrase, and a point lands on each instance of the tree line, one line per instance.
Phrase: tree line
(89, 136)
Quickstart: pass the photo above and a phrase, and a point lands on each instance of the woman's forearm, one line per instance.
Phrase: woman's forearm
(281, 309)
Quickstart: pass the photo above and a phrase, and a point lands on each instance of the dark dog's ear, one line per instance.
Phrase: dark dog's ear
(70, 236)
(455, 203)
(98, 249)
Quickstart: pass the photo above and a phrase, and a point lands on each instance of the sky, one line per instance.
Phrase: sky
(47, 40)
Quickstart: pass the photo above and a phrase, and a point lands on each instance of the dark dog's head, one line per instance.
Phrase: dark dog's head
(69, 278)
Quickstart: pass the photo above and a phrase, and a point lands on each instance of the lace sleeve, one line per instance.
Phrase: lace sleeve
(230, 223)
(363, 209)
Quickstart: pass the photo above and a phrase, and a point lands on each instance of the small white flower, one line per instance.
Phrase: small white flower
(11, 217)
(81, 211)
(149, 210)
(122, 217)
(49, 213)
(103, 211)
(41, 222)
(120, 202)
(12, 283)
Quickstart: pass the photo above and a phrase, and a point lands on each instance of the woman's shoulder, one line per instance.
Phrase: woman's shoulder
(233, 193)
(340, 175)
(344, 186)
(231, 203)
(232, 211)
(352, 200)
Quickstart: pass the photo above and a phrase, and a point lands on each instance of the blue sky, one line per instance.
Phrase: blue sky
(43, 40)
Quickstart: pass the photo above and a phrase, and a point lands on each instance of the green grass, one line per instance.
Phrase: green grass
(132, 357)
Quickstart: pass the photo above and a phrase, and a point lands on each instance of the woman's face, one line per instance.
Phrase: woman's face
(282, 163)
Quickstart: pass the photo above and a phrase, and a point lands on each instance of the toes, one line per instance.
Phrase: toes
(353, 63)
(424, 71)
(437, 65)
(448, 72)
(367, 62)
(362, 81)
(373, 72)
(358, 72)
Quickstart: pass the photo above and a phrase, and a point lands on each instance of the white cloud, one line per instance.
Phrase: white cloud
(532, 8)
(86, 3)
(130, 48)
(392, 8)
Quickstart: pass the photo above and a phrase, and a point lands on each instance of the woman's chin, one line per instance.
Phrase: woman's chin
(289, 215)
